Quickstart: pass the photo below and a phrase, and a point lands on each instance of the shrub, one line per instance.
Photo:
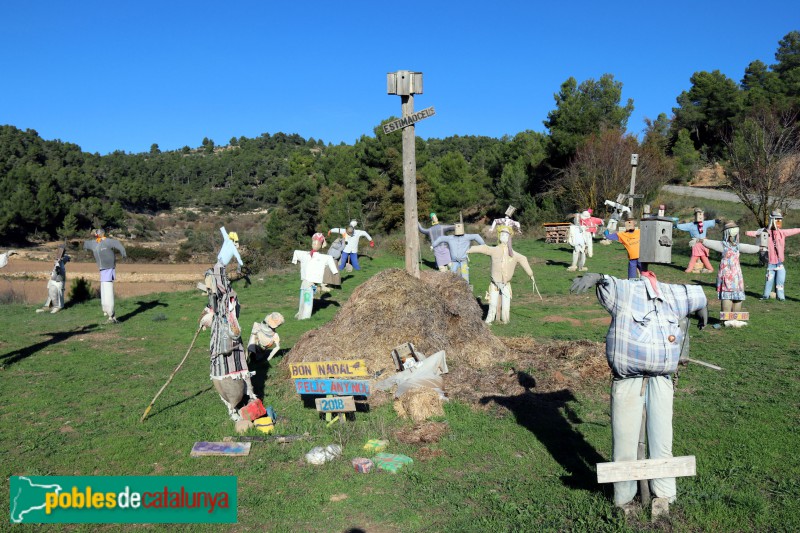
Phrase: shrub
(81, 291)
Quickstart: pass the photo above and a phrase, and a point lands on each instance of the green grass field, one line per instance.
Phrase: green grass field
(74, 388)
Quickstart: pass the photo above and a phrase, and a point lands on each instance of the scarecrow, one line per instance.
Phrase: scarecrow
(776, 245)
(458, 243)
(229, 372)
(590, 225)
(643, 346)
(630, 240)
(316, 271)
(577, 238)
(4, 257)
(698, 230)
(504, 262)
(351, 235)
(263, 336)
(507, 221)
(441, 252)
(55, 285)
(730, 282)
(103, 249)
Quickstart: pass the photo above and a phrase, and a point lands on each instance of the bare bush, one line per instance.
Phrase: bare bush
(764, 165)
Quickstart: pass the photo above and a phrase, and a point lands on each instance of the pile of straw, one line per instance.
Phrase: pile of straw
(435, 312)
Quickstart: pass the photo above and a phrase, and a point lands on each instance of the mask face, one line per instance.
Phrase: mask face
(779, 223)
(630, 225)
(733, 232)
(504, 237)
(316, 245)
(434, 219)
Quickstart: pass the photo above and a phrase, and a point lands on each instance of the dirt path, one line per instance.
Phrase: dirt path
(27, 280)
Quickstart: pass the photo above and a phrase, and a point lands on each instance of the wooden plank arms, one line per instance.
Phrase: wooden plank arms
(645, 469)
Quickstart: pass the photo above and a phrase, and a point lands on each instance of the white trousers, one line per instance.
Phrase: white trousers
(589, 237)
(626, 421)
(497, 291)
(306, 304)
(578, 257)
(55, 294)
(107, 297)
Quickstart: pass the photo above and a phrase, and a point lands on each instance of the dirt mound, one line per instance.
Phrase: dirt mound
(540, 368)
(426, 432)
(435, 312)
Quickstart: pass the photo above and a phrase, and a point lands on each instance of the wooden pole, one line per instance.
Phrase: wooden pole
(633, 186)
(410, 190)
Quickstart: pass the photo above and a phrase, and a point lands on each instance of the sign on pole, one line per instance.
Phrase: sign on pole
(400, 123)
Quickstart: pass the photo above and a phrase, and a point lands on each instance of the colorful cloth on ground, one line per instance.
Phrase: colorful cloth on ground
(643, 322)
(391, 462)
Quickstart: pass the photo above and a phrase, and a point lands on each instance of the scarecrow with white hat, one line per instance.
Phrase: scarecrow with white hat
(441, 252)
(507, 220)
(317, 270)
(698, 229)
(103, 249)
(776, 246)
(504, 262)
(458, 244)
(730, 282)
(263, 336)
(351, 236)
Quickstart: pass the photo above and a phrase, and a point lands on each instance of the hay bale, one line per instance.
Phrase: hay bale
(435, 312)
(419, 404)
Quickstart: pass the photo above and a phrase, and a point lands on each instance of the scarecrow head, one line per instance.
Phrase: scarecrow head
(318, 242)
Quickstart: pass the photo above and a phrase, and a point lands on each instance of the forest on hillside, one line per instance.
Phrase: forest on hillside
(53, 189)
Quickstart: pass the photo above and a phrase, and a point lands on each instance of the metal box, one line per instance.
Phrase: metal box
(404, 83)
(655, 243)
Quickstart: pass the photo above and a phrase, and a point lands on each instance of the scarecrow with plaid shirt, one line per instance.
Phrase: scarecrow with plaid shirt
(643, 346)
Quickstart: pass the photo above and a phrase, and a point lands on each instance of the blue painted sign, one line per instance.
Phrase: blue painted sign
(339, 387)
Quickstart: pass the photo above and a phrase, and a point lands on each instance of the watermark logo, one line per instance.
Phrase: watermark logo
(122, 499)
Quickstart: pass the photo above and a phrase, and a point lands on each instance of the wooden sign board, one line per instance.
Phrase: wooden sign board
(740, 315)
(329, 369)
(404, 122)
(205, 449)
(645, 469)
(339, 404)
(339, 387)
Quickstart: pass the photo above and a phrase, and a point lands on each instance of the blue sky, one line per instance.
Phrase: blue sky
(123, 75)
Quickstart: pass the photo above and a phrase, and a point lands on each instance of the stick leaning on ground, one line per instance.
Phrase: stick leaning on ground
(147, 411)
